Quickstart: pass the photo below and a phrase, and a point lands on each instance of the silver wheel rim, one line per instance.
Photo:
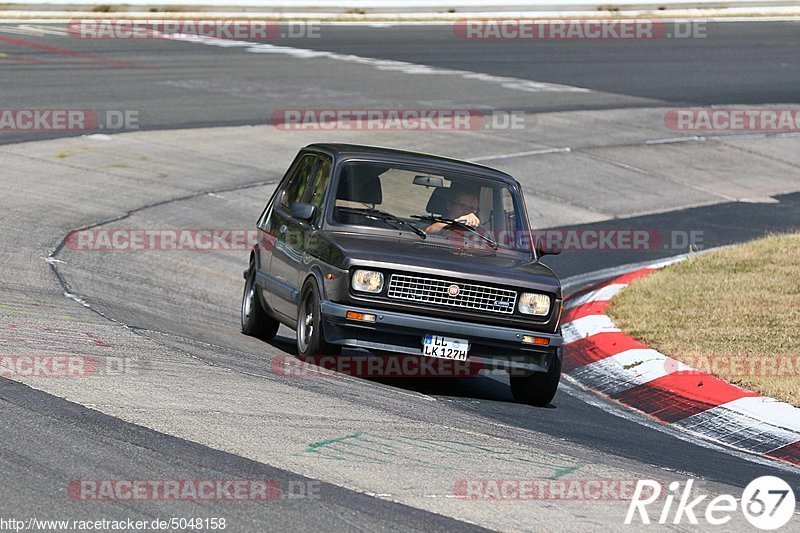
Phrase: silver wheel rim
(247, 299)
(305, 328)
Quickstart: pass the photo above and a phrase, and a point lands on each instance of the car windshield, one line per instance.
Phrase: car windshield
(466, 210)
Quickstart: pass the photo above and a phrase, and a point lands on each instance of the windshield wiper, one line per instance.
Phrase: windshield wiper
(385, 216)
(450, 221)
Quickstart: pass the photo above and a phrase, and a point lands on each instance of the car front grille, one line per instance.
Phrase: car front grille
(435, 292)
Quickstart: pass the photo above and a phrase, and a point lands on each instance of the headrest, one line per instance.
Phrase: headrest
(360, 182)
(437, 203)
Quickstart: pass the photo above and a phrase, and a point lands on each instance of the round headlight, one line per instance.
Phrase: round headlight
(367, 281)
(531, 303)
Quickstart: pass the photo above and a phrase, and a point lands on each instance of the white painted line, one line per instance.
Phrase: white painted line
(667, 262)
(405, 67)
(38, 30)
(582, 280)
(18, 31)
(77, 299)
(603, 294)
(521, 154)
(673, 140)
(587, 326)
(427, 5)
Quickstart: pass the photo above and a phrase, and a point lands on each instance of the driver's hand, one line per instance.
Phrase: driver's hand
(470, 220)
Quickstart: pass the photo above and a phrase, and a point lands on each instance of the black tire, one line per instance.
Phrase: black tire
(255, 321)
(538, 388)
(310, 339)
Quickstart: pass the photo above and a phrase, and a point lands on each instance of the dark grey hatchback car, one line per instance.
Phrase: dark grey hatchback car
(406, 253)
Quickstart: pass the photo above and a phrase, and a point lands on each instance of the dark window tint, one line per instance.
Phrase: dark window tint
(298, 182)
(320, 183)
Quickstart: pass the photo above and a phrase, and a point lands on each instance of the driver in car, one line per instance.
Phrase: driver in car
(460, 202)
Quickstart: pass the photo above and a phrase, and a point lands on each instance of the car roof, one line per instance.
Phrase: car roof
(338, 150)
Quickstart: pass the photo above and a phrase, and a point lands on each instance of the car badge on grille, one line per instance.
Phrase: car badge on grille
(501, 303)
(453, 290)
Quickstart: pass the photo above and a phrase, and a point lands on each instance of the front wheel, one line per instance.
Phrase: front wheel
(539, 388)
(255, 321)
(310, 339)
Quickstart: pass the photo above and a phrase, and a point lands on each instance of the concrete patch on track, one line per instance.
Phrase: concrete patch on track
(719, 169)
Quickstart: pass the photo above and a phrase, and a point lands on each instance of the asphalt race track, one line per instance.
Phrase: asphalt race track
(744, 63)
(205, 402)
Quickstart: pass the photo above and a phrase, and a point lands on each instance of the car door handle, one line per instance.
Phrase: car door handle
(282, 229)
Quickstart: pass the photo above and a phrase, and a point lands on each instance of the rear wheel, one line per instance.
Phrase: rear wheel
(539, 388)
(310, 339)
(255, 321)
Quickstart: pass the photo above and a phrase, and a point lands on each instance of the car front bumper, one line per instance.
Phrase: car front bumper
(396, 332)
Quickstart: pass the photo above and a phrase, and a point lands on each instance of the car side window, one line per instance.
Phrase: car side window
(508, 208)
(320, 183)
(298, 183)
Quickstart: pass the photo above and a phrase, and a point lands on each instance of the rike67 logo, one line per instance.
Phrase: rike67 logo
(767, 502)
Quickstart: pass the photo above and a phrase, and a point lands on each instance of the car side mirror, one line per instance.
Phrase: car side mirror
(304, 211)
(543, 247)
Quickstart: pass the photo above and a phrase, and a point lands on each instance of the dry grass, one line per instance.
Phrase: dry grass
(734, 312)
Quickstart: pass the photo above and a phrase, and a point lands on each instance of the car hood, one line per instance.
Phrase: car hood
(435, 257)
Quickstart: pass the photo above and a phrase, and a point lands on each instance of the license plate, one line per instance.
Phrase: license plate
(445, 347)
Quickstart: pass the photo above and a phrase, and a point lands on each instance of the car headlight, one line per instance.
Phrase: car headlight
(367, 281)
(531, 303)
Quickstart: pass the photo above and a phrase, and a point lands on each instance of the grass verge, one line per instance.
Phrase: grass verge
(734, 313)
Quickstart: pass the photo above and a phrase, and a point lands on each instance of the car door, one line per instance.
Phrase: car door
(289, 234)
(266, 282)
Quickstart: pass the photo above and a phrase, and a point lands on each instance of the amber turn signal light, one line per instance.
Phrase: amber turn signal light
(539, 341)
(363, 317)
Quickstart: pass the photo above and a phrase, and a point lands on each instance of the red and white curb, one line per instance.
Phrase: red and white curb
(600, 356)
